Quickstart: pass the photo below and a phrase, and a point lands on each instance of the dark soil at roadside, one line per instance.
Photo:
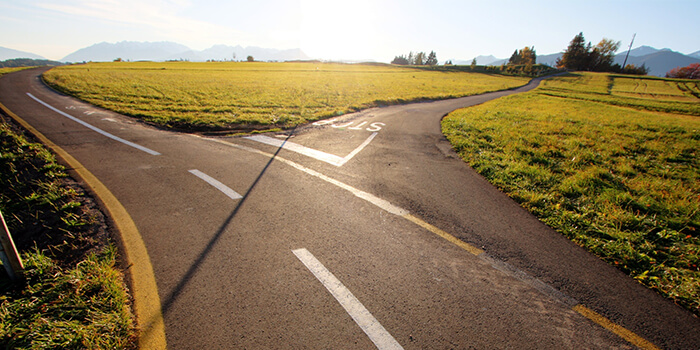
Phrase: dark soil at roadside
(44, 208)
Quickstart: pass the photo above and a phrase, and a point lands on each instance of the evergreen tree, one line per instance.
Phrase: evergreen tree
(577, 55)
(514, 58)
(401, 60)
(432, 59)
(525, 56)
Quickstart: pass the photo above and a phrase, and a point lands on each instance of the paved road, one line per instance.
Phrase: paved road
(342, 235)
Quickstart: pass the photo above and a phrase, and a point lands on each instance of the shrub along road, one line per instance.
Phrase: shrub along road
(361, 231)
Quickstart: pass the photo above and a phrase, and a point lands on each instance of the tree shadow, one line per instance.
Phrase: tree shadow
(169, 301)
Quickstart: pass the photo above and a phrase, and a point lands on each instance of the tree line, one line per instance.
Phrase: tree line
(27, 62)
(416, 59)
(526, 56)
(579, 55)
(584, 57)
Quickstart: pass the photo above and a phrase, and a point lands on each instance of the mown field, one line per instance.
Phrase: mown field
(610, 161)
(243, 95)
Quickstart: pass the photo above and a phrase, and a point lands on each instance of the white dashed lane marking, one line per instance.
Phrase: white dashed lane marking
(374, 330)
(217, 184)
(93, 128)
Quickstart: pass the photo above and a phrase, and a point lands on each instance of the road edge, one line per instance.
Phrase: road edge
(543, 288)
(146, 306)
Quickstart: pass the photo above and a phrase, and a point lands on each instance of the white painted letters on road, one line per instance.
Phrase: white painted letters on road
(373, 127)
(359, 127)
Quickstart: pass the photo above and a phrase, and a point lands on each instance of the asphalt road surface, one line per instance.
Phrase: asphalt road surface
(359, 232)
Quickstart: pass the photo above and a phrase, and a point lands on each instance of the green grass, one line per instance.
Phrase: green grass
(609, 161)
(72, 296)
(226, 95)
(644, 93)
(84, 307)
(5, 70)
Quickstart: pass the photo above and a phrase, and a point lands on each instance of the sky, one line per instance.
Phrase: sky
(375, 30)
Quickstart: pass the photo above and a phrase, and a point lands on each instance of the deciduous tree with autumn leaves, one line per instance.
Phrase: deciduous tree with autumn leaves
(690, 72)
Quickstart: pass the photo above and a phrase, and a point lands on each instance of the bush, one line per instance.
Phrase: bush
(690, 72)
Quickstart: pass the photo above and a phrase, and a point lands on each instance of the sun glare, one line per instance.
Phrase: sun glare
(337, 29)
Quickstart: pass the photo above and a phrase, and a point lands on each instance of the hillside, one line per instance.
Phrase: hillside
(7, 54)
(127, 50)
(27, 62)
(659, 62)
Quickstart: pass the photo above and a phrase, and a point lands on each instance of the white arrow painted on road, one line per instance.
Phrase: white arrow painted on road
(310, 152)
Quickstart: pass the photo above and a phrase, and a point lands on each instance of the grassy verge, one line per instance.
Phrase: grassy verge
(242, 95)
(5, 70)
(609, 161)
(72, 296)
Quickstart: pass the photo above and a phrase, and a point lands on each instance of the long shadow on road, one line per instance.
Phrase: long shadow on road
(170, 299)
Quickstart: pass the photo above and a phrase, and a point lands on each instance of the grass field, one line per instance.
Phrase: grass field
(610, 161)
(644, 93)
(240, 95)
(72, 296)
(5, 70)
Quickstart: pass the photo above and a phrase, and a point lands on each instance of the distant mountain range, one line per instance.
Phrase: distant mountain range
(8, 54)
(659, 61)
(168, 51)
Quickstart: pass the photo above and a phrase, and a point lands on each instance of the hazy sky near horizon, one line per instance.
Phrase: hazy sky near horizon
(351, 30)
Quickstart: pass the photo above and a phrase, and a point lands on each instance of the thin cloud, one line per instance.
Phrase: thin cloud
(161, 17)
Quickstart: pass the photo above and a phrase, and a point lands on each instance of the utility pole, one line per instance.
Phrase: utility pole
(624, 64)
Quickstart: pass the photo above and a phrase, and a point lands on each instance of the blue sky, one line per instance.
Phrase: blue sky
(353, 30)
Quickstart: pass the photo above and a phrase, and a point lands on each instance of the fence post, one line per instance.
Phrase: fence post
(9, 255)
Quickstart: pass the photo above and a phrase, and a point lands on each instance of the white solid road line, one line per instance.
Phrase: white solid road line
(374, 330)
(214, 182)
(295, 147)
(379, 202)
(358, 149)
(310, 152)
(116, 138)
(542, 287)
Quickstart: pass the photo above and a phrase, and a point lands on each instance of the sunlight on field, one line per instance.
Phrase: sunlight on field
(648, 93)
(657, 89)
(234, 95)
(622, 182)
(6, 70)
